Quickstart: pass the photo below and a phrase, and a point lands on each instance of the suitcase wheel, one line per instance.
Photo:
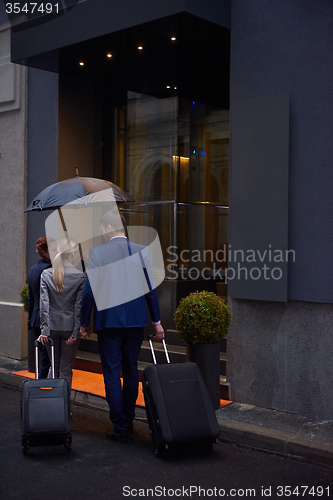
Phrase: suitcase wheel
(68, 444)
(161, 452)
(25, 446)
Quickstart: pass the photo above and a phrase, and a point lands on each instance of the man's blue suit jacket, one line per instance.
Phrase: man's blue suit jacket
(128, 314)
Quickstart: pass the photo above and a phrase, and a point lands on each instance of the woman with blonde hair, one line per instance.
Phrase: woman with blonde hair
(45, 248)
(60, 300)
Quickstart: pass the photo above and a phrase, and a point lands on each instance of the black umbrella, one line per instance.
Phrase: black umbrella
(71, 190)
(77, 192)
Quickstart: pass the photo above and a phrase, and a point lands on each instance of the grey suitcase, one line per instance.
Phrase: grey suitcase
(45, 410)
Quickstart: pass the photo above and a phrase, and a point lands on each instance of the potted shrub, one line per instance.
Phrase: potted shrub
(202, 320)
(24, 297)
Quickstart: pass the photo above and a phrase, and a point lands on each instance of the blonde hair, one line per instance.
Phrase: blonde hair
(66, 246)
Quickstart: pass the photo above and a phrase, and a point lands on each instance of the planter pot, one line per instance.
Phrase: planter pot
(207, 357)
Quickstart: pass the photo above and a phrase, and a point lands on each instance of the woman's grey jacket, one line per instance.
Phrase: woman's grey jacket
(61, 310)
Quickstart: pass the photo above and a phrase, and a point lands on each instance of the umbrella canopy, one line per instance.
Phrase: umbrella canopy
(77, 205)
(77, 188)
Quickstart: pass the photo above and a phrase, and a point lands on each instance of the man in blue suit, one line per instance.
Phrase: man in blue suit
(118, 287)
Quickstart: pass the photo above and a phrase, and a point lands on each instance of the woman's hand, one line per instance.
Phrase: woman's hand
(71, 340)
(43, 339)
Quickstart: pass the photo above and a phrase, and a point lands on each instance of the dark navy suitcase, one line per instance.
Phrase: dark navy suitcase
(179, 410)
(45, 410)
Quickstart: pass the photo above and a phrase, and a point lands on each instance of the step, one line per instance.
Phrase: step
(177, 354)
(88, 345)
(224, 388)
(172, 338)
(90, 362)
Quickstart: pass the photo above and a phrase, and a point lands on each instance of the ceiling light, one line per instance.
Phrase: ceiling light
(109, 55)
(173, 38)
(175, 88)
(140, 47)
(168, 87)
(81, 63)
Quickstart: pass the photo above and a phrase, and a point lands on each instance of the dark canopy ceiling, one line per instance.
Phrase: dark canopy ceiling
(194, 65)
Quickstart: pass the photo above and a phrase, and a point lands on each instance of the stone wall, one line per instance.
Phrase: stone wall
(12, 189)
(280, 356)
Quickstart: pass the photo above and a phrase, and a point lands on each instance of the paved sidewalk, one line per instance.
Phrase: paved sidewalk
(270, 430)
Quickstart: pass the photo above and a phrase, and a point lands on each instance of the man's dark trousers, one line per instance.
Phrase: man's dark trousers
(119, 349)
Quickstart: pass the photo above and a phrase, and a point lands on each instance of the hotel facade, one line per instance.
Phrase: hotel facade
(216, 117)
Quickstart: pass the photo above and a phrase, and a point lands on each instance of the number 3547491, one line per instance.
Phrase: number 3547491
(31, 8)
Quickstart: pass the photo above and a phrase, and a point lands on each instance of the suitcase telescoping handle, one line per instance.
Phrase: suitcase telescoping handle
(153, 352)
(52, 357)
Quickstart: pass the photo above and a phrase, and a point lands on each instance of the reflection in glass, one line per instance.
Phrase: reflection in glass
(193, 236)
(173, 158)
(172, 149)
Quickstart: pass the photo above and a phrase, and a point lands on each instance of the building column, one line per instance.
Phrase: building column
(13, 78)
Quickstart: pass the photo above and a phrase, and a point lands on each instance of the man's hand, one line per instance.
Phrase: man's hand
(159, 332)
(85, 331)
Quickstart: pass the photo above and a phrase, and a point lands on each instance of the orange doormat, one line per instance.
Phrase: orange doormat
(93, 383)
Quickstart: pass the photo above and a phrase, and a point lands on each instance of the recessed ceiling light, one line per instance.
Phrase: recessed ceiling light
(175, 88)
(109, 55)
(168, 87)
(140, 47)
(173, 38)
(81, 63)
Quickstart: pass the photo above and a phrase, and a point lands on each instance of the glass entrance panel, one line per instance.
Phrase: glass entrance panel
(173, 159)
(193, 236)
(203, 135)
(202, 245)
(172, 149)
(151, 147)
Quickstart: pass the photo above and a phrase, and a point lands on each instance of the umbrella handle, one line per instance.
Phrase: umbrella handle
(62, 222)
(84, 231)
(82, 259)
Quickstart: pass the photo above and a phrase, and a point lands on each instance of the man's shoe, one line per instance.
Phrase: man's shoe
(119, 436)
